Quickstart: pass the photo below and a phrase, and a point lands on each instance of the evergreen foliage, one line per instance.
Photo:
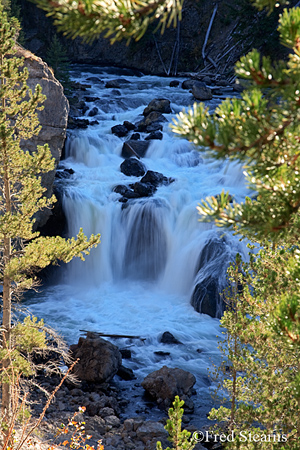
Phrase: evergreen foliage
(23, 251)
(118, 20)
(57, 59)
(180, 438)
(262, 379)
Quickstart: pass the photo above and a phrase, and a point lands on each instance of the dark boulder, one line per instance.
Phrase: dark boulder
(99, 360)
(132, 167)
(135, 137)
(64, 174)
(210, 279)
(120, 189)
(117, 83)
(144, 189)
(154, 117)
(156, 178)
(130, 126)
(164, 384)
(201, 92)
(126, 353)
(113, 84)
(161, 105)
(188, 84)
(116, 92)
(155, 126)
(82, 107)
(119, 130)
(154, 135)
(174, 83)
(130, 194)
(168, 338)
(93, 112)
(94, 80)
(74, 123)
(126, 374)
(90, 99)
(134, 148)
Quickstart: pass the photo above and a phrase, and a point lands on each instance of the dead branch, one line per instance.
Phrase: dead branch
(208, 31)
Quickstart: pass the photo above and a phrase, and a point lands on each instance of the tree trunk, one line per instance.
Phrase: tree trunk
(6, 296)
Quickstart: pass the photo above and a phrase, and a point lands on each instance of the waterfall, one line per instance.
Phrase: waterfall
(155, 257)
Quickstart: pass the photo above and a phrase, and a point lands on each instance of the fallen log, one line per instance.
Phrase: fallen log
(117, 336)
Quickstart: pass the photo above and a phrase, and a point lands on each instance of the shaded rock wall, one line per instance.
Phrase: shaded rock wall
(53, 118)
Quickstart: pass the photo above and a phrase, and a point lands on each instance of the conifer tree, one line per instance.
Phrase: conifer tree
(57, 59)
(120, 19)
(22, 251)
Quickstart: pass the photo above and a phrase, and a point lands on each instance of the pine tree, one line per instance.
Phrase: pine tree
(181, 439)
(57, 59)
(23, 251)
(261, 365)
(118, 20)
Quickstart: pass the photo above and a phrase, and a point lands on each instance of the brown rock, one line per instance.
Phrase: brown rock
(99, 360)
(164, 384)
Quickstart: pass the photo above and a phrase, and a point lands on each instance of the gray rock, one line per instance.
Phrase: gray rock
(105, 412)
(151, 430)
(113, 421)
(133, 148)
(200, 91)
(161, 105)
(188, 84)
(116, 92)
(126, 353)
(154, 116)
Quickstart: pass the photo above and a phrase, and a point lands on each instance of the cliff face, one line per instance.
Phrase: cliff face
(53, 118)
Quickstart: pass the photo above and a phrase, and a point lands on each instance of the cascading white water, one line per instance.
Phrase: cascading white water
(141, 277)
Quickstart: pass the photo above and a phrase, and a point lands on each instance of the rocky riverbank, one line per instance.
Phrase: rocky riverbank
(106, 414)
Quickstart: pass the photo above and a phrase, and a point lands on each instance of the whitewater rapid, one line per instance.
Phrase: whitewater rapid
(140, 279)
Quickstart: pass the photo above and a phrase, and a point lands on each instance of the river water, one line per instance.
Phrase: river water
(140, 279)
